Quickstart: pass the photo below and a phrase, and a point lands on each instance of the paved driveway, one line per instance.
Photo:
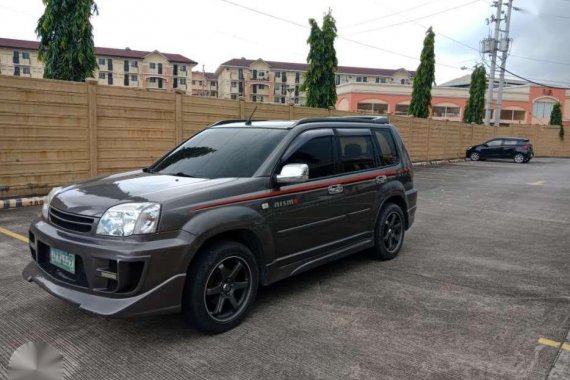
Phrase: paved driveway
(480, 290)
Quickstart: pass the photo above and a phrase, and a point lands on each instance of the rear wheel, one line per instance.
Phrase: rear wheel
(389, 233)
(221, 287)
(519, 158)
(475, 156)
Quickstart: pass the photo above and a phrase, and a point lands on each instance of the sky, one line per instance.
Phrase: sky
(372, 33)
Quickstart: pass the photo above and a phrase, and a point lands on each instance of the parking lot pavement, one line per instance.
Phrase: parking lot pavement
(482, 277)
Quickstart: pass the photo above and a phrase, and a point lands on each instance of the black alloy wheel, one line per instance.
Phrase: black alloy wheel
(390, 231)
(221, 286)
(227, 289)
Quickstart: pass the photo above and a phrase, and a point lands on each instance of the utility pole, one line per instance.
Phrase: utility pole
(489, 45)
(203, 81)
(504, 48)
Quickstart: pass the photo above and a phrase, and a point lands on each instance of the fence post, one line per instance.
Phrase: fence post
(445, 155)
(291, 112)
(428, 137)
(241, 109)
(179, 115)
(92, 126)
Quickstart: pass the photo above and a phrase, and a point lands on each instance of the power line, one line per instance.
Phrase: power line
(395, 13)
(418, 18)
(540, 60)
(339, 36)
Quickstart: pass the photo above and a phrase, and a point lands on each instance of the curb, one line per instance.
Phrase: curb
(21, 202)
(438, 162)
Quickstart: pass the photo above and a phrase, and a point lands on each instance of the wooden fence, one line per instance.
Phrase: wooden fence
(56, 132)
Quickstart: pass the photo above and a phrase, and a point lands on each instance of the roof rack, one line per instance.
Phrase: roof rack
(356, 119)
(229, 121)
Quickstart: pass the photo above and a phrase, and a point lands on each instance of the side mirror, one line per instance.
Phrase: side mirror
(293, 173)
(485, 145)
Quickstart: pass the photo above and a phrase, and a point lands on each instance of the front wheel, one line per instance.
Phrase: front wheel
(519, 158)
(221, 287)
(389, 233)
(475, 156)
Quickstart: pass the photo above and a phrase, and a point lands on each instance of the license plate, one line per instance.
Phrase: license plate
(62, 259)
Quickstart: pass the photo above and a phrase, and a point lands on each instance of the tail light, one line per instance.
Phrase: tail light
(527, 146)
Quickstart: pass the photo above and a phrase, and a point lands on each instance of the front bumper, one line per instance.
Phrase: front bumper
(149, 270)
(162, 299)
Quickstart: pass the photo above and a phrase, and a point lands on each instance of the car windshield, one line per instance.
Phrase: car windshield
(221, 153)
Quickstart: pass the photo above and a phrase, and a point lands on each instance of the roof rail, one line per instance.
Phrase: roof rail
(338, 119)
(229, 121)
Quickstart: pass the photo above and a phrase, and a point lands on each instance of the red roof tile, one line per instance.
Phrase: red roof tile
(110, 52)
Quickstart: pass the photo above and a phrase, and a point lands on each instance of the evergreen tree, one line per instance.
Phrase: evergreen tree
(424, 79)
(66, 39)
(319, 83)
(556, 119)
(475, 106)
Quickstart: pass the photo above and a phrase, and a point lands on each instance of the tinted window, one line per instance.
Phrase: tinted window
(356, 153)
(318, 154)
(388, 153)
(494, 142)
(221, 153)
(511, 142)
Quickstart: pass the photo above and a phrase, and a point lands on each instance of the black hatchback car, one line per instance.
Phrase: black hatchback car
(237, 205)
(518, 149)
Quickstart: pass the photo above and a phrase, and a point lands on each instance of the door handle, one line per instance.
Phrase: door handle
(381, 179)
(336, 189)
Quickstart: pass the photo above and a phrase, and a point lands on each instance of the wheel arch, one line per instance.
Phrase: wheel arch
(400, 201)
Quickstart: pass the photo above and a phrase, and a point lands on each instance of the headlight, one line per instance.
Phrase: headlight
(45, 207)
(130, 219)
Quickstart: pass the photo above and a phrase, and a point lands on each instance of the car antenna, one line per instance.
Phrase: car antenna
(248, 122)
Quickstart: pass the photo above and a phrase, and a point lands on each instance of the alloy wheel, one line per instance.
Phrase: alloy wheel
(392, 232)
(475, 156)
(519, 158)
(228, 289)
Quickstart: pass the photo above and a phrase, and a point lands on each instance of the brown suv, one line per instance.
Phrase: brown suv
(239, 204)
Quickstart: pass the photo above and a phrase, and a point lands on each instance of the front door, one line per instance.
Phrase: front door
(305, 217)
(493, 149)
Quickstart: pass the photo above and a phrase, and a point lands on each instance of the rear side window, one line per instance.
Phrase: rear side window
(494, 142)
(388, 153)
(511, 142)
(318, 154)
(356, 153)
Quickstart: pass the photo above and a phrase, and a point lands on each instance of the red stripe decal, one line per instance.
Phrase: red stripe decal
(273, 193)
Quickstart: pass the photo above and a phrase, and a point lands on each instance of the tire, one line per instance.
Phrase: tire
(475, 156)
(389, 232)
(221, 287)
(519, 158)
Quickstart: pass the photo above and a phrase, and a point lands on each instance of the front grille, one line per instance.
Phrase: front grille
(72, 222)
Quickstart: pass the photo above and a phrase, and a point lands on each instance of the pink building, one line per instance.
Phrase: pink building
(523, 103)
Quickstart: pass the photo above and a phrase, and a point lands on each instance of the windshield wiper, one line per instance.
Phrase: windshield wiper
(180, 174)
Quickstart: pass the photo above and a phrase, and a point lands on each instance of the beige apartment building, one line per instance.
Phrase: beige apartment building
(280, 82)
(115, 67)
(204, 84)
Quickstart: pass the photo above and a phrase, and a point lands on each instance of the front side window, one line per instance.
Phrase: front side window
(356, 153)
(494, 142)
(318, 154)
(388, 153)
(221, 153)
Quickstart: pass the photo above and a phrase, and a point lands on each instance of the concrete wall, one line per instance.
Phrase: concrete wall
(55, 132)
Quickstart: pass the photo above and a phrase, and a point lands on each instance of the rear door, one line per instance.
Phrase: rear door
(509, 148)
(357, 168)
